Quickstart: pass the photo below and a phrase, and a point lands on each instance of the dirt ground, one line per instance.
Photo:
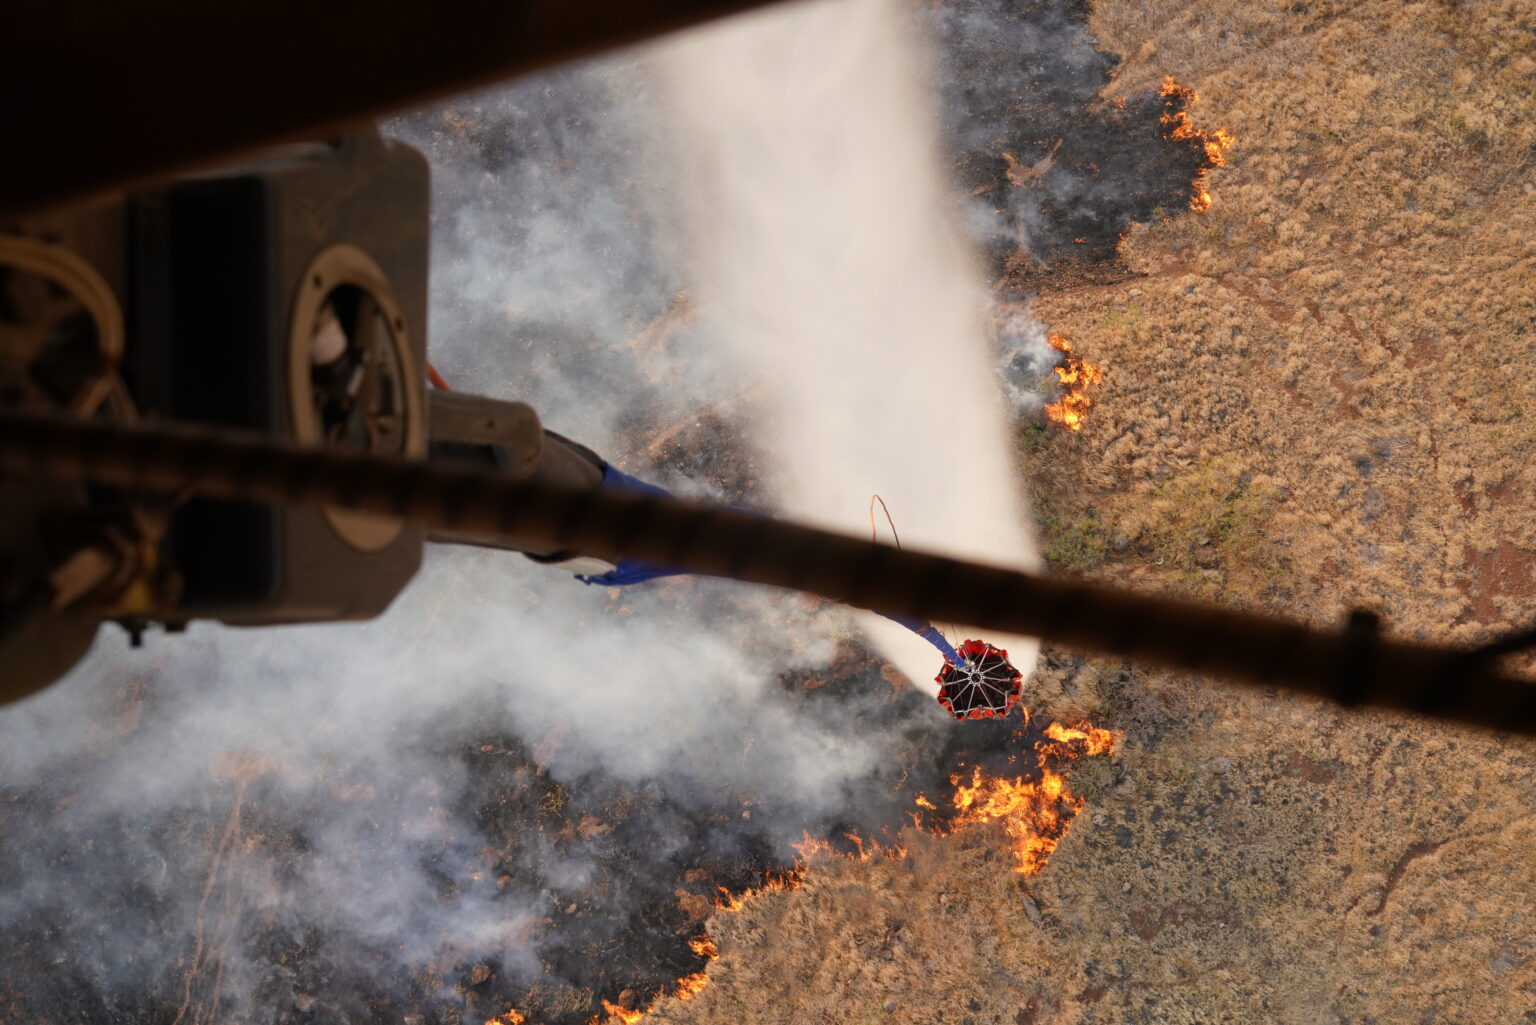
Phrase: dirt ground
(1316, 398)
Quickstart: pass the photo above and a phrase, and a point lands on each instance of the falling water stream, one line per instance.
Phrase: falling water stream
(827, 253)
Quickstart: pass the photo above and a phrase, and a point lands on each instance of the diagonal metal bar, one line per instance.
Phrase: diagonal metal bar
(1354, 667)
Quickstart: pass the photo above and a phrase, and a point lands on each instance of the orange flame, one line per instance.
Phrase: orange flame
(1033, 815)
(689, 986)
(728, 901)
(1077, 375)
(510, 1017)
(1096, 741)
(788, 879)
(621, 1014)
(863, 851)
(1178, 126)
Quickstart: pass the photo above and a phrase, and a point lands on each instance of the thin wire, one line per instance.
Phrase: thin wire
(873, 534)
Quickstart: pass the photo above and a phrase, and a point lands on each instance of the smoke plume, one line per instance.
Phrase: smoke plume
(830, 265)
(511, 789)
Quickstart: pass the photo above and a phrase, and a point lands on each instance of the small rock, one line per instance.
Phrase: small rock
(1100, 819)
(1032, 911)
(303, 1001)
(413, 1019)
(1221, 764)
(479, 973)
(890, 1006)
(1133, 293)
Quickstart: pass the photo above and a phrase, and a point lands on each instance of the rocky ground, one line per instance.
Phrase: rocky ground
(1316, 398)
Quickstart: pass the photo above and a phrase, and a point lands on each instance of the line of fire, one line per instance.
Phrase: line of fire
(285, 295)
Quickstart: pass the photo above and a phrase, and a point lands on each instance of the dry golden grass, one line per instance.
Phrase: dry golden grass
(1320, 395)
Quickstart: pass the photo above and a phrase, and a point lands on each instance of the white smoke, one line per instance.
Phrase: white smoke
(828, 261)
(1025, 357)
(276, 789)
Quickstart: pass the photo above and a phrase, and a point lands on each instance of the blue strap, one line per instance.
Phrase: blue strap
(630, 571)
(638, 571)
(930, 633)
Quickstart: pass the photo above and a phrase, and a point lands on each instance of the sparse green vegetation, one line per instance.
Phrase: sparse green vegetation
(1033, 437)
(1073, 544)
(1092, 778)
(1129, 316)
(1206, 524)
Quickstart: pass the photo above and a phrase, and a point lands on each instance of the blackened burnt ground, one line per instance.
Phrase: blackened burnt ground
(1053, 173)
(601, 882)
(271, 891)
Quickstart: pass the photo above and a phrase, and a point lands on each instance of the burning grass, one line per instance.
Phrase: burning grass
(1056, 173)
(1259, 865)
(1076, 375)
(1034, 813)
(1033, 810)
(1320, 403)
(1179, 127)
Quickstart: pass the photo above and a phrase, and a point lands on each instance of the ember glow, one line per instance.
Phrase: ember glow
(1076, 375)
(1177, 126)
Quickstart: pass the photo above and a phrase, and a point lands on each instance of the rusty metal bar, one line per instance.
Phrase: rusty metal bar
(1354, 666)
(105, 94)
